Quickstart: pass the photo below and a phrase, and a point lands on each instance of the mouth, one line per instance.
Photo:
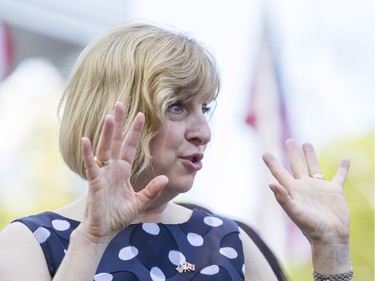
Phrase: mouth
(193, 161)
(194, 157)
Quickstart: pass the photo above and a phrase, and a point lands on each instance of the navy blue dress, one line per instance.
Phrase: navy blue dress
(206, 247)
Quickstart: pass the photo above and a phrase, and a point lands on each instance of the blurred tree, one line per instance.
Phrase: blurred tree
(33, 176)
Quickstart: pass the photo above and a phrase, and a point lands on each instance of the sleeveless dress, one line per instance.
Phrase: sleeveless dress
(205, 248)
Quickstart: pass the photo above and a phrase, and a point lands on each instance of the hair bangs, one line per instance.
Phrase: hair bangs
(200, 76)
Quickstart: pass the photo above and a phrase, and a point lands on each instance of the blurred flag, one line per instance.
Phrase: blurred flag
(6, 50)
(268, 115)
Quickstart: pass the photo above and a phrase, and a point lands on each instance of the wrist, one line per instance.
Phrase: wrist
(82, 257)
(94, 233)
(84, 239)
(345, 276)
(331, 257)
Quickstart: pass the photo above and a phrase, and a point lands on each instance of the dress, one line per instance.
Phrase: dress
(206, 247)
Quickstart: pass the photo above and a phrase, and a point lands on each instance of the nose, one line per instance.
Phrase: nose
(199, 131)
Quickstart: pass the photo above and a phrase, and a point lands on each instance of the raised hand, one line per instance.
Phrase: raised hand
(318, 207)
(112, 203)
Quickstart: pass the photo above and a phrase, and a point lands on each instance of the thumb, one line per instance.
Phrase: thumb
(151, 191)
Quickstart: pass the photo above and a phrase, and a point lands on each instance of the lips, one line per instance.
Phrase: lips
(193, 162)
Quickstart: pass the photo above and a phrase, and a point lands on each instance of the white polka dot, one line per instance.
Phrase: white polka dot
(213, 221)
(156, 274)
(151, 228)
(244, 269)
(42, 234)
(60, 225)
(229, 252)
(195, 239)
(176, 257)
(210, 270)
(128, 253)
(103, 277)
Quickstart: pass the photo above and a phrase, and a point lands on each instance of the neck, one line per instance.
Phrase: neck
(153, 214)
(169, 213)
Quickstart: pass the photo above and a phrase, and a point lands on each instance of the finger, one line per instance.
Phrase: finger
(103, 152)
(278, 170)
(281, 195)
(342, 172)
(311, 159)
(151, 191)
(130, 145)
(92, 169)
(296, 159)
(285, 201)
(117, 130)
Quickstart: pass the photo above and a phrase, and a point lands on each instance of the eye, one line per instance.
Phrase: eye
(206, 109)
(176, 108)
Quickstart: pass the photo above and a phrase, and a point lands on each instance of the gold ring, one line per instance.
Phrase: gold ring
(101, 163)
(318, 176)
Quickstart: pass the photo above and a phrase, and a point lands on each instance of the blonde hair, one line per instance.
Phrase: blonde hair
(147, 68)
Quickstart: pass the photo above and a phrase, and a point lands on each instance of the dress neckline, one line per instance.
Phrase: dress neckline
(195, 214)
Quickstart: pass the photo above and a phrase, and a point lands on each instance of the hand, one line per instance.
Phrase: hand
(112, 203)
(318, 207)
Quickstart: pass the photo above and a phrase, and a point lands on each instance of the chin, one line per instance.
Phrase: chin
(180, 187)
(184, 189)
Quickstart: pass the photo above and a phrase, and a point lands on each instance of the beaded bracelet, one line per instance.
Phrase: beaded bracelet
(347, 276)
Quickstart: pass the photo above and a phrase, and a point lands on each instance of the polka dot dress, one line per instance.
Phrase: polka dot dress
(206, 247)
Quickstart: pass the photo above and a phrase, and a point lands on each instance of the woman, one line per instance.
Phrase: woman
(154, 89)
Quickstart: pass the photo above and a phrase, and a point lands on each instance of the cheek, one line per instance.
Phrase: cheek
(159, 143)
(170, 137)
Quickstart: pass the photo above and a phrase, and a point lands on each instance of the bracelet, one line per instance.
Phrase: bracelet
(347, 276)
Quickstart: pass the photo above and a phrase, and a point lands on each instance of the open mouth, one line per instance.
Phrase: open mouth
(194, 158)
(193, 162)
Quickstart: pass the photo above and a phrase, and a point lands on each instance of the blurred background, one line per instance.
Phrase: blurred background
(301, 69)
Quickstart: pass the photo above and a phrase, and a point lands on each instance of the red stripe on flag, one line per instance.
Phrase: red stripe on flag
(6, 50)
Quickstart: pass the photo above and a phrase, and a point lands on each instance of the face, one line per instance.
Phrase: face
(178, 148)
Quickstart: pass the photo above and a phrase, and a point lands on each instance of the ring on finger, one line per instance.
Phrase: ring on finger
(101, 163)
(318, 176)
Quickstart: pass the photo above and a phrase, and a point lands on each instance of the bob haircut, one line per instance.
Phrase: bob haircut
(146, 67)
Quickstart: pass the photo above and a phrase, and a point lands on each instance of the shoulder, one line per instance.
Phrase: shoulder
(14, 231)
(39, 223)
(36, 244)
(16, 238)
(23, 229)
(33, 221)
(20, 249)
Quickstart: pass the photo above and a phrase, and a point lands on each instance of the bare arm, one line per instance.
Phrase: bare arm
(21, 257)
